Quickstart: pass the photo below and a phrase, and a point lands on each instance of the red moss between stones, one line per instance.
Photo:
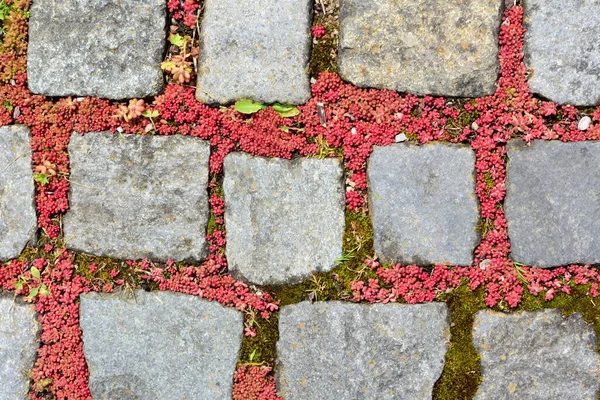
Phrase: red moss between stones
(356, 120)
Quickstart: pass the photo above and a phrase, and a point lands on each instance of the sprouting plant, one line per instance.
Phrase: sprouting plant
(180, 65)
(248, 106)
(520, 271)
(40, 288)
(317, 288)
(150, 114)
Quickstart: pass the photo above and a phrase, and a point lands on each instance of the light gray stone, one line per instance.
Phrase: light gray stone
(552, 202)
(562, 50)
(159, 346)
(19, 331)
(104, 48)
(584, 123)
(423, 203)
(421, 46)
(136, 196)
(334, 350)
(256, 49)
(536, 356)
(18, 223)
(285, 219)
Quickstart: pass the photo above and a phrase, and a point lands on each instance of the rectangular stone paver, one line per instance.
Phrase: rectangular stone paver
(562, 50)
(334, 350)
(136, 196)
(18, 223)
(436, 47)
(104, 48)
(285, 219)
(255, 49)
(19, 331)
(552, 202)
(536, 356)
(423, 203)
(159, 346)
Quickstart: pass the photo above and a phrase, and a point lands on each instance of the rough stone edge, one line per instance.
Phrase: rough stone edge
(204, 98)
(205, 247)
(478, 234)
(490, 90)
(34, 233)
(294, 279)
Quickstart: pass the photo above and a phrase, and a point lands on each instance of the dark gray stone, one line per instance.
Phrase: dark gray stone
(285, 219)
(18, 222)
(255, 49)
(19, 331)
(334, 350)
(104, 48)
(421, 46)
(552, 202)
(136, 196)
(562, 50)
(536, 356)
(159, 346)
(423, 203)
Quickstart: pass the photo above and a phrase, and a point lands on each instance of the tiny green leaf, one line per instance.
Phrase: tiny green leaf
(19, 285)
(285, 129)
(8, 106)
(177, 40)
(33, 292)
(286, 110)
(252, 355)
(35, 272)
(41, 178)
(247, 106)
(44, 290)
(150, 114)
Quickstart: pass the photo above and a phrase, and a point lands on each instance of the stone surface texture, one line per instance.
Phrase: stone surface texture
(536, 355)
(423, 203)
(18, 222)
(562, 50)
(19, 331)
(104, 48)
(285, 219)
(552, 202)
(159, 346)
(334, 350)
(136, 196)
(437, 47)
(255, 49)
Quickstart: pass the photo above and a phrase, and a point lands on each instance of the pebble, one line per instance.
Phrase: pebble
(584, 123)
(401, 137)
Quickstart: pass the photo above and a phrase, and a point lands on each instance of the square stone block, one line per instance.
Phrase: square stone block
(562, 51)
(423, 203)
(159, 346)
(536, 355)
(136, 196)
(19, 335)
(435, 47)
(102, 48)
(552, 202)
(334, 350)
(257, 49)
(18, 221)
(284, 219)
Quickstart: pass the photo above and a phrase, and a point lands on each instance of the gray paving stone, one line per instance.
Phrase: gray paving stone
(423, 203)
(421, 46)
(19, 331)
(536, 356)
(552, 202)
(160, 346)
(285, 219)
(334, 350)
(104, 48)
(136, 196)
(18, 223)
(562, 50)
(256, 49)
